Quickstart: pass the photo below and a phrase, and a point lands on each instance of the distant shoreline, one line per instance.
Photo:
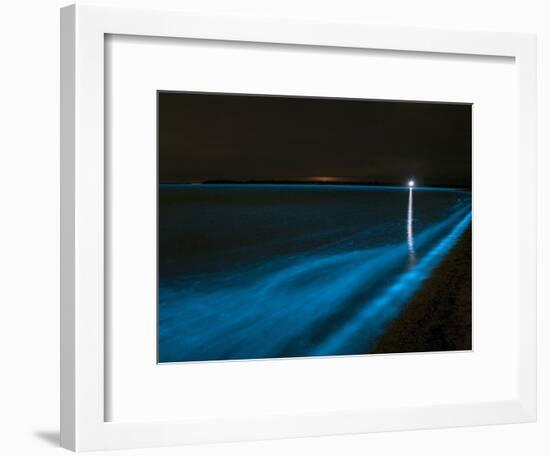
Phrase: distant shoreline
(313, 183)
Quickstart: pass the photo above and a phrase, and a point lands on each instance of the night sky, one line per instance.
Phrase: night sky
(248, 137)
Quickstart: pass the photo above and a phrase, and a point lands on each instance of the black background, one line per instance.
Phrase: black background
(210, 137)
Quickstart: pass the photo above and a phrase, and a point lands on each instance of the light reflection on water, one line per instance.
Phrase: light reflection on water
(385, 307)
(410, 238)
(335, 297)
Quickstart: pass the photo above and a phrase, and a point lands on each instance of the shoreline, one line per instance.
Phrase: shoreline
(301, 185)
(439, 316)
(313, 184)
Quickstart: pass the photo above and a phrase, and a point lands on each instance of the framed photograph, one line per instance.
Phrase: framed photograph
(277, 228)
(286, 227)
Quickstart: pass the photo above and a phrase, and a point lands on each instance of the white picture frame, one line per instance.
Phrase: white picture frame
(83, 397)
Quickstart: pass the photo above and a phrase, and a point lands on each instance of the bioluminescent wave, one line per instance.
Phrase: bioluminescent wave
(387, 305)
(274, 271)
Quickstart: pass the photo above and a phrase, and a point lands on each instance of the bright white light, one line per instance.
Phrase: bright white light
(410, 238)
(411, 183)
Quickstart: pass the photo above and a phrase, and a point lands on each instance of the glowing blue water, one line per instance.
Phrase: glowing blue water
(273, 271)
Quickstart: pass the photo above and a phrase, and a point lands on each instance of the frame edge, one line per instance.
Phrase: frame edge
(82, 424)
(67, 224)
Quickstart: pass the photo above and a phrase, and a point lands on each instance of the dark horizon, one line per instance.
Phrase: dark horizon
(310, 181)
(225, 138)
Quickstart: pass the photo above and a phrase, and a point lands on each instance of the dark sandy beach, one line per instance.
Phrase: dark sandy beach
(439, 317)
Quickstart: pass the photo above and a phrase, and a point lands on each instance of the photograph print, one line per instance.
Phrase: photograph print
(308, 226)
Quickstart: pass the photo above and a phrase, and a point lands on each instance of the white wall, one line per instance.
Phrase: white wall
(29, 244)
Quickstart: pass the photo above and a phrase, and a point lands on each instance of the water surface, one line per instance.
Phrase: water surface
(263, 271)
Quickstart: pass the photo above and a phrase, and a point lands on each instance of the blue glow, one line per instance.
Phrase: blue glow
(318, 273)
(387, 305)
